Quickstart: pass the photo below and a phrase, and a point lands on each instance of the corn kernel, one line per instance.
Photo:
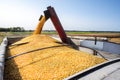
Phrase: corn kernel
(54, 61)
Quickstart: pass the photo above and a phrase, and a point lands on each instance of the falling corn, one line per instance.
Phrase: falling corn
(40, 26)
(50, 60)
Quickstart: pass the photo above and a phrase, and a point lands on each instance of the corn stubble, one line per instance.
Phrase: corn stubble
(55, 62)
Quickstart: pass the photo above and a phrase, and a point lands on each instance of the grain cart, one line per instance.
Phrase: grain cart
(41, 57)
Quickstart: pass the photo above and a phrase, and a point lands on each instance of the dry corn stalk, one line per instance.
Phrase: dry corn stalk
(51, 63)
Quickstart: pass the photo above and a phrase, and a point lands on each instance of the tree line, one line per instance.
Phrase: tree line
(12, 29)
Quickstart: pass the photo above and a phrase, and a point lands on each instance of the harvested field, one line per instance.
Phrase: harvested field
(112, 37)
(107, 35)
(45, 58)
(115, 40)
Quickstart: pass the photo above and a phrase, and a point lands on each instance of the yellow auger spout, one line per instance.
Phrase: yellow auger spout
(40, 26)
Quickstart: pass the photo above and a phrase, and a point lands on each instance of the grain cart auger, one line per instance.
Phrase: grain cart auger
(50, 13)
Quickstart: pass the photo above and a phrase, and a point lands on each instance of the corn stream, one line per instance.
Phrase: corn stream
(40, 26)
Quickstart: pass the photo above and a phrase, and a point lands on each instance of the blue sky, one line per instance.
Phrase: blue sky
(86, 15)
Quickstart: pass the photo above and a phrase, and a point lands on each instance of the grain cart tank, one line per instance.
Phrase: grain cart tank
(40, 57)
